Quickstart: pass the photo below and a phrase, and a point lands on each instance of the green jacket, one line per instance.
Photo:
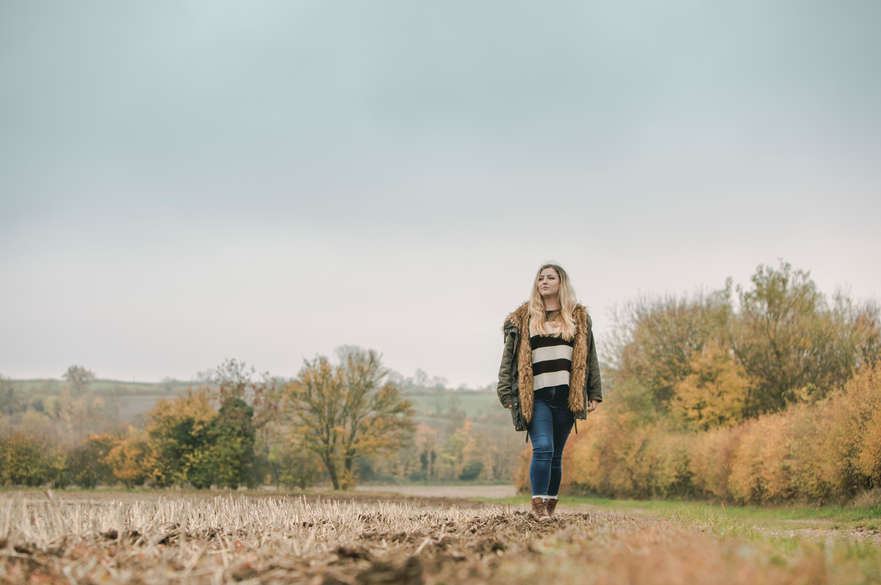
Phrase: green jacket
(508, 387)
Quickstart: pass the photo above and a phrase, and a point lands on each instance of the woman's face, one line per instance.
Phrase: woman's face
(548, 282)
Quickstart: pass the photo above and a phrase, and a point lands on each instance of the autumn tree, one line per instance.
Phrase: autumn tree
(131, 458)
(714, 393)
(347, 410)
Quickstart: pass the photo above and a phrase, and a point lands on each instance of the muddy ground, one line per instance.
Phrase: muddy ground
(381, 540)
(450, 491)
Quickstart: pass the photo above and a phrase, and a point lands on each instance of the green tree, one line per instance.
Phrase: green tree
(235, 379)
(180, 432)
(232, 444)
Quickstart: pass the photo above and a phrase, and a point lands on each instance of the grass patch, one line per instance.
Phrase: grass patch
(867, 518)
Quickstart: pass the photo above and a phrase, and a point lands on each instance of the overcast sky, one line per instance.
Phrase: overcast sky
(187, 181)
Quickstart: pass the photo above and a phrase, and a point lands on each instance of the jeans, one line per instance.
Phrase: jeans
(551, 422)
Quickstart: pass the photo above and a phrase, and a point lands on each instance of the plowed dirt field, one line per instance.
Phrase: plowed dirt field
(80, 539)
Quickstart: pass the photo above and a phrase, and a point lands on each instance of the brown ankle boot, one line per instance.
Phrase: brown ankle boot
(539, 509)
(551, 504)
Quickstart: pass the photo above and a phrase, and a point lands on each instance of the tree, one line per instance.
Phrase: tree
(131, 459)
(795, 348)
(88, 467)
(232, 448)
(9, 402)
(471, 470)
(297, 465)
(21, 460)
(236, 379)
(180, 431)
(79, 378)
(458, 453)
(223, 450)
(714, 394)
(655, 339)
(346, 411)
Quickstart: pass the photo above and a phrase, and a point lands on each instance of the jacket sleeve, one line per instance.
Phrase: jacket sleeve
(504, 387)
(594, 385)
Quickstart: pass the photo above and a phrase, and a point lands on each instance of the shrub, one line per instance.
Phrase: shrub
(471, 470)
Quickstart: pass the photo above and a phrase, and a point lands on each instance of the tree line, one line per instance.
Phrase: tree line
(239, 429)
(338, 422)
(762, 393)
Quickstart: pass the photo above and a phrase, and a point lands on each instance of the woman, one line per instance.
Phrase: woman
(549, 376)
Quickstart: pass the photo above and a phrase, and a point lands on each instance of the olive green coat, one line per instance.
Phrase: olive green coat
(515, 373)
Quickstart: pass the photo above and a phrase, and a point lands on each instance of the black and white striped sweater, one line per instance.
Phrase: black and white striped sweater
(551, 361)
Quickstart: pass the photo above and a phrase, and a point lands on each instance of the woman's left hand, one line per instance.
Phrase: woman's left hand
(592, 405)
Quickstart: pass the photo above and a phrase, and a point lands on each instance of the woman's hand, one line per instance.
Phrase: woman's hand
(508, 407)
(592, 405)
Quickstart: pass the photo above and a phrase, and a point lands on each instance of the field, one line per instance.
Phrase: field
(364, 539)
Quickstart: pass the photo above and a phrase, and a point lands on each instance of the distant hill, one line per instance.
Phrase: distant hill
(131, 399)
(128, 399)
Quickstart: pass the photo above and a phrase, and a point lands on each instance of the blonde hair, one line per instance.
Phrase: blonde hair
(538, 322)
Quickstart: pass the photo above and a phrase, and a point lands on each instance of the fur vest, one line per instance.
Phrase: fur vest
(519, 319)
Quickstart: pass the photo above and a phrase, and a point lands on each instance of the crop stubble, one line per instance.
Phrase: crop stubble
(333, 540)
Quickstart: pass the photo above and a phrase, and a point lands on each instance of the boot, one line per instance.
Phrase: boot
(539, 509)
(551, 504)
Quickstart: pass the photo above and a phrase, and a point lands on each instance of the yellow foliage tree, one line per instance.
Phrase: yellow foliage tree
(714, 393)
(130, 459)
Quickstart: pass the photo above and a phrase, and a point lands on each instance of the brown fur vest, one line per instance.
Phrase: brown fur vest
(577, 378)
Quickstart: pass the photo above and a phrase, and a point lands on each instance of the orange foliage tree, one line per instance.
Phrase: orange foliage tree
(131, 458)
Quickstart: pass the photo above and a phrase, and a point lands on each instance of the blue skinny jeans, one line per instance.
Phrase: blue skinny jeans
(550, 426)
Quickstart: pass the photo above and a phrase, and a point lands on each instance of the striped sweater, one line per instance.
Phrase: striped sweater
(551, 361)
